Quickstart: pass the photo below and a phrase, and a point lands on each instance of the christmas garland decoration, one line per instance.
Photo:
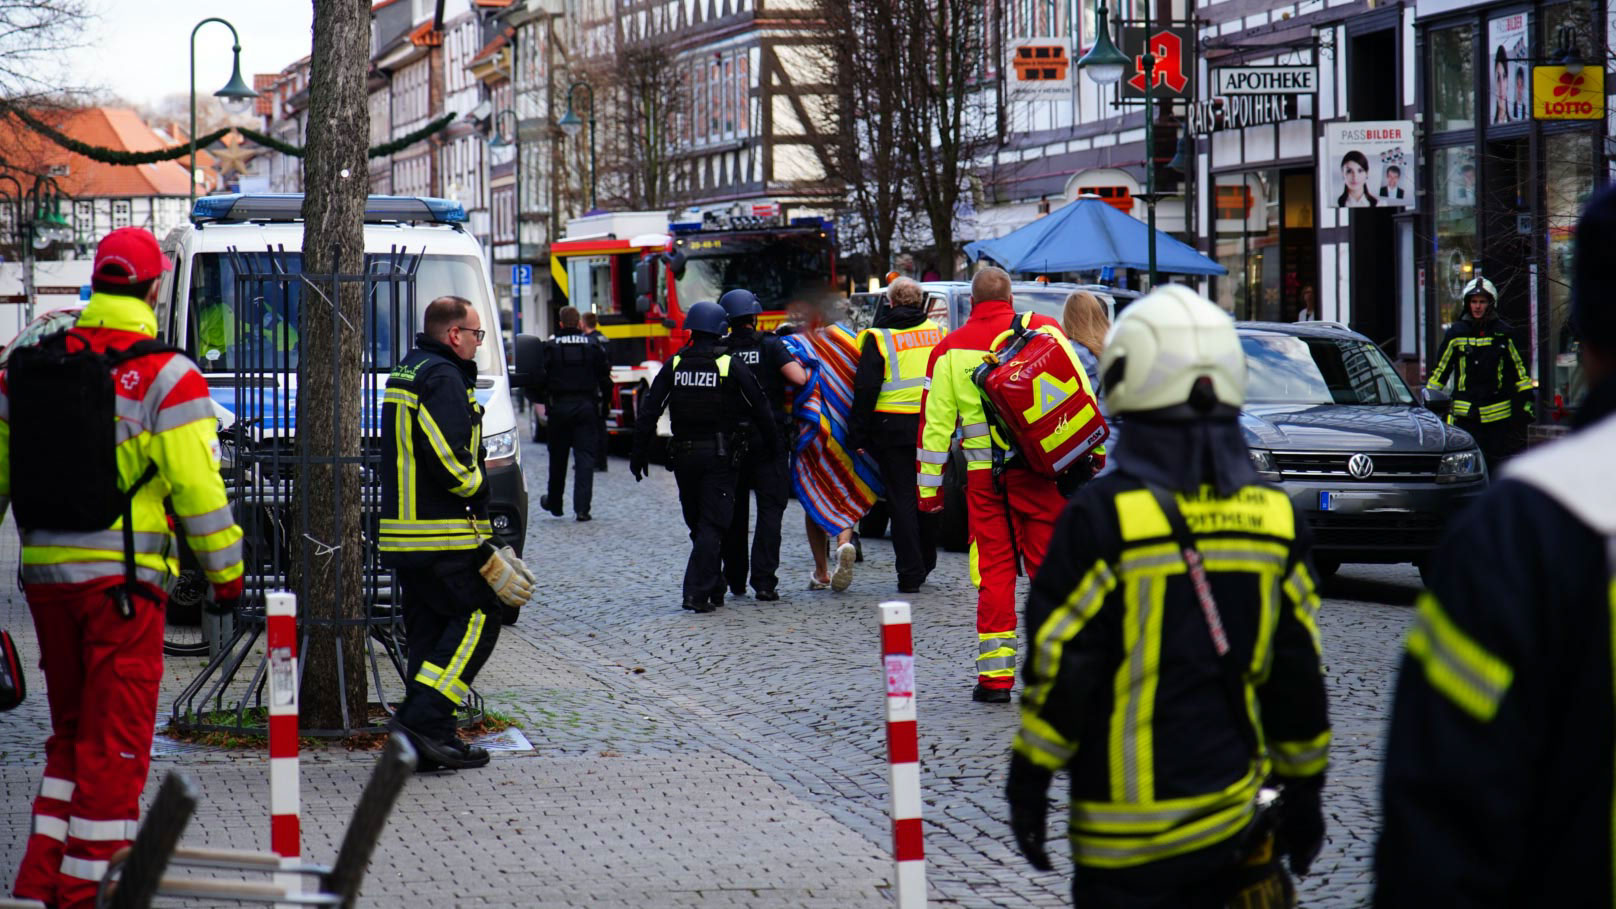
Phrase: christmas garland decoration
(110, 155)
(378, 151)
(129, 158)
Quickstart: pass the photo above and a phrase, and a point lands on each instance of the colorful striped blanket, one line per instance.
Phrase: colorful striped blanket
(835, 485)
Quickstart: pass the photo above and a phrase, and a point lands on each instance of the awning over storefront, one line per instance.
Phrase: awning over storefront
(1088, 235)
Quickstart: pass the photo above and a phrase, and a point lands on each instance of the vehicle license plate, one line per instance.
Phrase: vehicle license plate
(1326, 501)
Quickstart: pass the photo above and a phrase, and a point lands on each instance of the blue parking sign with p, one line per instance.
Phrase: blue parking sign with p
(521, 274)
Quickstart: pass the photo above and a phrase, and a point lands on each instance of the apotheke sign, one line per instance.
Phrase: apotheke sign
(1239, 111)
(1265, 80)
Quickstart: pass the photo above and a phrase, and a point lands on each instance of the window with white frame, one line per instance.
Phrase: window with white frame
(120, 213)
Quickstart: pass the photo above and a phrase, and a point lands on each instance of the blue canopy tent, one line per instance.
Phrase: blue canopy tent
(1088, 235)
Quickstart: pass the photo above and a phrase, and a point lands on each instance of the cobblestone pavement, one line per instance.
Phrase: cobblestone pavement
(736, 758)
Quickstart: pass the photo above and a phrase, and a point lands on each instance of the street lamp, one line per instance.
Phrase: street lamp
(236, 94)
(1106, 66)
(571, 125)
(498, 140)
(37, 222)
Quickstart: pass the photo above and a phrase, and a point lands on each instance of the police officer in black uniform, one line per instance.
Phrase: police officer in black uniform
(765, 475)
(591, 327)
(710, 396)
(576, 379)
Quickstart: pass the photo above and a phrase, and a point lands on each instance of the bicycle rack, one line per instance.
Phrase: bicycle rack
(264, 469)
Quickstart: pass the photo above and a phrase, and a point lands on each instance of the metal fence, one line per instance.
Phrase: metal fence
(255, 376)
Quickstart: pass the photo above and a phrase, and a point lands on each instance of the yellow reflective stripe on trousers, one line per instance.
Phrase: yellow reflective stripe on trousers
(449, 685)
(996, 654)
(1307, 758)
(1132, 736)
(1124, 851)
(1458, 667)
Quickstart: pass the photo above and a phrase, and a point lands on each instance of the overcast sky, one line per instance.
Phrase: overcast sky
(139, 49)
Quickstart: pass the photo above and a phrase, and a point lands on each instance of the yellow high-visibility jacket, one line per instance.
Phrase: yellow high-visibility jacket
(165, 417)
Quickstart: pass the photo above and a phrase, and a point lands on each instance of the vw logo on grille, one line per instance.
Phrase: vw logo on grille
(1360, 466)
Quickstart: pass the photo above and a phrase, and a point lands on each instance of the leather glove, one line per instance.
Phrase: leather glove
(226, 598)
(1301, 822)
(639, 465)
(1028, 790)
(508, 553)
(511, 586)
(930, 504)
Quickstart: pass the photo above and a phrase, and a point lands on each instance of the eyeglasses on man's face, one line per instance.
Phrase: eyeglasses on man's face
(479, 332)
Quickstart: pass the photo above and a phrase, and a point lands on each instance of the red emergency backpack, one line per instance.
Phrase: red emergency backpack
(1036, 396)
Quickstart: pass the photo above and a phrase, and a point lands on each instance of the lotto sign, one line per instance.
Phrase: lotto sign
(1559, 95)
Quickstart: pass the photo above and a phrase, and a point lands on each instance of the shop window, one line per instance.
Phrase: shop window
(1569, 168)
(1233, 203)
(1454, 182)
(1266, 238)
(1453, 79)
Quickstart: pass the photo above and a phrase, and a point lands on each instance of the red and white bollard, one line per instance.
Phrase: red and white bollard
(285, 835)
(903, 755)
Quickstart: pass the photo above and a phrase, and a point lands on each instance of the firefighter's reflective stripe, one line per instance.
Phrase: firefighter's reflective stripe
(1465, 672)
(468, 478)
(1037, 740)
(905, 353)
(61, 790)
(446, 679)
(1128, 851)
(1492, 413)
(405, 535)
(1156, 816)
(996, 654)
(1299, 759)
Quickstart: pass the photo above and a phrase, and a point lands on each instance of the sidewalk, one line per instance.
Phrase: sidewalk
(622, 802)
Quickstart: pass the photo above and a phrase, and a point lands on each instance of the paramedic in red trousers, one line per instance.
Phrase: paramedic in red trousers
(885, 419)
(1015, 520)
(102, 669)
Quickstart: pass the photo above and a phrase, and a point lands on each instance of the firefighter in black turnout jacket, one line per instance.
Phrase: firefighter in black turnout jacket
(764, 474)
(1175, 660)
(577, 382)
(712, 399)
(1492, 389)
(434, 531)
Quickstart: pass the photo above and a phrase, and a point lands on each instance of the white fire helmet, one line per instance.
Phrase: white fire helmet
(1163, 344)
(1480, 285)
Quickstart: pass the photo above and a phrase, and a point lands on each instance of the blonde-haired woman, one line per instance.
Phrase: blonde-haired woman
(1085, 323)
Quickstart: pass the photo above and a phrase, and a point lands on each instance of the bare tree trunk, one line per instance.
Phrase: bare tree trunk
(336, 179)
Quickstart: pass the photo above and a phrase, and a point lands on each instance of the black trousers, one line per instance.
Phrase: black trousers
(575, 427)
(768, 478)
(914, 535)
(707, 497)
(1499, 440)
(451, 623)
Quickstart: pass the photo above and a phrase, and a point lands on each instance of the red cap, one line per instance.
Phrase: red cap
(130, 255)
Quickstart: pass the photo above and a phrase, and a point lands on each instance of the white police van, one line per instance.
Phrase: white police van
(198, 310)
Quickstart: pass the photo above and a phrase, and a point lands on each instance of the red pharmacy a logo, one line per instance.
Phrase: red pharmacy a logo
(1570, 86)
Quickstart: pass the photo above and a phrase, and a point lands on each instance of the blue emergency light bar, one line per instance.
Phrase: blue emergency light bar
(289, 207)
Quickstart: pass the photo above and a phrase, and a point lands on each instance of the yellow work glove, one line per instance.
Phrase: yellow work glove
(513, 587)
(510, 556)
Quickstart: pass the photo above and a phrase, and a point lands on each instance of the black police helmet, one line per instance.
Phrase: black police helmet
(740, 303)
(706, 316)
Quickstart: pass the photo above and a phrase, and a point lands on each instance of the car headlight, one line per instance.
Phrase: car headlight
(1458, 466)
(501, 445)
(1264, 462)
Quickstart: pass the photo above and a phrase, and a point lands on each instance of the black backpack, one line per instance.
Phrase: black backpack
(64, 436)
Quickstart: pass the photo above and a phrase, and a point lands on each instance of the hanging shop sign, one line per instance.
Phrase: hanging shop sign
(1173, 76)
(1265, 80)
(1239, 111)
(1369, 164)
(1040, 69)
(1559, 95)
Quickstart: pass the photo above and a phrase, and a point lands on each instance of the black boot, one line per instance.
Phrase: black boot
(985, 695)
